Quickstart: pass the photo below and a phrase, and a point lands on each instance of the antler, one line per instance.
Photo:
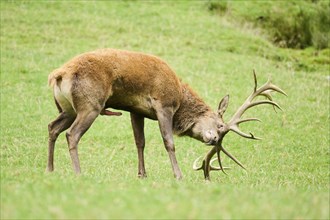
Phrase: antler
(233, 125)
(207, 163)
(265, 91)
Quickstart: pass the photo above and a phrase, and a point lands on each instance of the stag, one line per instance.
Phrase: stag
(144, 85)
(233, 125)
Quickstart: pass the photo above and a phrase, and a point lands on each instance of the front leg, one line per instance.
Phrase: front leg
(165, 120)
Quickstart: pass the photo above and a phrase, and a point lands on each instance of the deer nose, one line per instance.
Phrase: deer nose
(211, 137)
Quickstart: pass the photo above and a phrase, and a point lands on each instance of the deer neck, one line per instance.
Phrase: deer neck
(192, 107)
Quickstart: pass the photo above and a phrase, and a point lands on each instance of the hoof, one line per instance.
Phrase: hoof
(142, 175)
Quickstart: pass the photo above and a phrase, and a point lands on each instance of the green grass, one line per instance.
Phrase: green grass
(288, 171)
(292, 24)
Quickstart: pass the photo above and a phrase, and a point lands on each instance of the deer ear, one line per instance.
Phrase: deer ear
(223, 106)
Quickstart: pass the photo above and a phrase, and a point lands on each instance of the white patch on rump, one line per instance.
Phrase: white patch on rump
(62, 93)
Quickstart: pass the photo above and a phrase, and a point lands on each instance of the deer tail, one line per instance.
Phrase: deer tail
(54, 76)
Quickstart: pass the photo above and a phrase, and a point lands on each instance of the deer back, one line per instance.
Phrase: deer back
(118, 79)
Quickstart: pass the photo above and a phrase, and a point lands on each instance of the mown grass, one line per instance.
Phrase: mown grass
(288, 172)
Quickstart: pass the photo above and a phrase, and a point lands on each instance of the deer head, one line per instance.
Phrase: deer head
(233, 125)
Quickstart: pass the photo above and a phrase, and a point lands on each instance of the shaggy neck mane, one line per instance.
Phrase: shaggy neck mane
(191, 108)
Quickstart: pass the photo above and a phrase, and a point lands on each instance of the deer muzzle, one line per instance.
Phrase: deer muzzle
(211, 137)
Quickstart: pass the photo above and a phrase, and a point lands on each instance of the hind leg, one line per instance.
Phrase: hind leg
(138, 131)
(81, 124)
(55, 128)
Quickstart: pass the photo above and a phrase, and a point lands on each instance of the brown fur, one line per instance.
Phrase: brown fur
(191, 108)
(125, 77)
(142, 84)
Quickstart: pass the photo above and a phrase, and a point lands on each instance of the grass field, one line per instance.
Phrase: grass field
(287, 173)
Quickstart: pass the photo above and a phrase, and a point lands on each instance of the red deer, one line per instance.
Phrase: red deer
(143, 85)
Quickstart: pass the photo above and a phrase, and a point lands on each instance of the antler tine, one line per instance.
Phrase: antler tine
(239, 132)
(255, 80)
(219, 158)
(195, 167)
(202, 167)
(276, 88)
(264, 102)
(233, 158)
(247, 119)
(267, 88)
(267, 94)
(216, 168)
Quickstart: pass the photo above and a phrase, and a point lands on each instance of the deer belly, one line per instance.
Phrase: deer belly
(135, 104)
